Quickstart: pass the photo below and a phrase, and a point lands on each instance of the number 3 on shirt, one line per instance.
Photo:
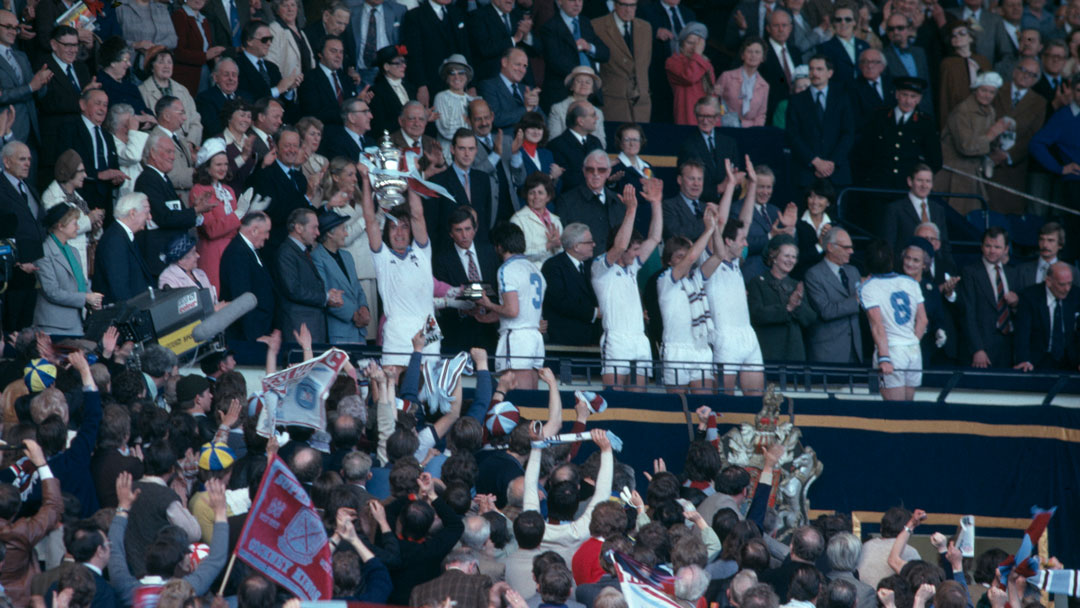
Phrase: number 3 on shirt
(535, 281)
(901, 305)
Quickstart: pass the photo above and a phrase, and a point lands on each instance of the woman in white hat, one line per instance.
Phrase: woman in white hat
(969, 132)
(222, 222)
(583, 83)
(453, 103)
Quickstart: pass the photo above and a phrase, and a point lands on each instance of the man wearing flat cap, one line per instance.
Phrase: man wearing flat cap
(348, 322)
(193, 397)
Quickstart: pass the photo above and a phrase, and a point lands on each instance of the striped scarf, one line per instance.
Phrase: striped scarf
(701, 325)
(440, 378)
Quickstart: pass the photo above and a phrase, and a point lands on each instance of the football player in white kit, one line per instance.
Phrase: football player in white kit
(401, 252)
(894, 306)
(614, 279)
(521, 295)
(734, 341)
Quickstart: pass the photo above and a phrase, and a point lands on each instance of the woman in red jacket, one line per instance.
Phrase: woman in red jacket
(690, 73)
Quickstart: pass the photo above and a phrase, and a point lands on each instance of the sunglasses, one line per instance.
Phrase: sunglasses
(844, 19)
(457, 73)
(266, 39)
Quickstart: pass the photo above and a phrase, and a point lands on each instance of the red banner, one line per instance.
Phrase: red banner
(284, 538)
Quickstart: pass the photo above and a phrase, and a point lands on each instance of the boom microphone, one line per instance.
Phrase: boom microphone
(217, 322)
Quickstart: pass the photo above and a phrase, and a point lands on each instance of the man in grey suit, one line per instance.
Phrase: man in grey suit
(1051, 242)
(683, 212)
(18, 83)
(374, 24)
(508, 97)
(507, 170)
(304, 296)
(833, 287)
(348, 322)
(991, 40)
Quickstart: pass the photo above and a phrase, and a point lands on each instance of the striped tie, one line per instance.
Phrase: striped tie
(1003, 325)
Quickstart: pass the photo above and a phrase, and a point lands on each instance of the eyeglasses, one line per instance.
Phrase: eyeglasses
(844, 19)
(67, 45)
(1054, 56)
(266, 39)
(598, 170)
(708, 116)
(457, 73)
(398, 61)
(870, 62)
(8, 26)
(1027, 73)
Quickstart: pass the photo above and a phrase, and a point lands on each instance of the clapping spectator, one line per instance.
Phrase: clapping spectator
(779, 310)
(222, 222)
(541, 227)
(312, 163)
(290, 49)
(534, 153)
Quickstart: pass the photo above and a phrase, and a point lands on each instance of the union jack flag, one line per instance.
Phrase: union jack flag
(642, 586)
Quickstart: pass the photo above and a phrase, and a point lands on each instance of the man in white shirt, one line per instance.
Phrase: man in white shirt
(1046, 322)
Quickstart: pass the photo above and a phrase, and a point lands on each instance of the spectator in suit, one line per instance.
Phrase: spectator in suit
(462, 580)
(350, 138)
(305, 298)
(259, 76)
(667, 18)
(1051, 242)
(905, 59)
(1017, 100)
(903, 216)
(462, 261)
(507, 169)
(941, 267)
(120, 271)
(228, 20)
(710, 149)
(19, 85)
(70, 174)
(627, 97)
(284, 183)
(833, 289)
(592, 203)
(410, 135)
(873, 88)
(374, 26)
(987, 29)
(243, 271)
(170, 120)
(496, 27)
(843, 48)
(570, 306)
(166, 206)
(896, 140)
(196, 46)
(542, 228)
(1052, 83)
(290, 49)
(690, 73)
(392, 92)
(534, 154)
(60, 102)
(781, 58)
(346, 323)
(743, 91)
(22, 209)
(1029, 43)
(779, 310)
(630, 138)
(327, 86)
(89, 139)
(468, 186)
(820, 137)
(749, 19)
(570, 149)
(958, 71)
(567, 41)
(432, 32)
(988, 290)
(209, 103)
(1046, 322)
(64, 288)
(584, 86)
(765, 222)
(506, 92)
(684, 212)
(334, 21)
(161, 84)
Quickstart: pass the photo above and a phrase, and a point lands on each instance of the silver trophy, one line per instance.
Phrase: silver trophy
(390, 187)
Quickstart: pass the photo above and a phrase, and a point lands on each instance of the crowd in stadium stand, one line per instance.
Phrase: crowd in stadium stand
(228, 145)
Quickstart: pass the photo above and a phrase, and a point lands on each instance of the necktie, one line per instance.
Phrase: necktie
(370, 40)
(1016, 98)
(583, 58)
(676, 23)
(710, 144)
(337, 87)
(468, 190)
(925, 213)
(506, 22)
(517, 93)
(877, 89)
(442, 13)
(1057, 334)
(99, 142)
(14, 64)
(1002, 323)
(1040, 273)
(296, 177)
(628, 36)
(234, 23)
(696, 204)
(72, 78)
(581, 268)
(787, 66)
(264, 72)
(844, 280)
(820, 100)
(473, 271)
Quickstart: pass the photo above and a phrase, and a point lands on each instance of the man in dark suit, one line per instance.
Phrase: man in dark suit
(895, 140)
(571, 147)
(749, 19)
(304, 297)
(592, 203)
(507, 170)
(335, 22)
(567, 40)
(20, 203)
(242, 271)
(570, 306)
(60, 103)
(431, 37)
(1052, 85)
(228, 25)
(832, 287)
(260, 77)
(172, 216)
(843, 49)
(764, 219)
(1046, 329)
(872, 90)
(19, 85)
(667, 18)
(327, 86)
(943, 269)
(709, 147)
(285, 184)
(375, 24)
(820, 137)
(348, 139)
(493, 29)
(467, 185)
(907, 60)
(902, 217)
(97, 149)
(1051, 242)
(209, 103)
(120, 271)
(781, 57)
(683, 212)
(988, 293)
(461, 580)
(506, 92)
(461, 262)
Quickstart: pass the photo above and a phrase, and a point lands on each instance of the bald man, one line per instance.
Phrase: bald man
(1046, 323)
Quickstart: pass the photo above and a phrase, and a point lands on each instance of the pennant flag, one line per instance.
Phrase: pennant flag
(283, 537)
(1026, 559)
(643, 587)
(301, 393)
